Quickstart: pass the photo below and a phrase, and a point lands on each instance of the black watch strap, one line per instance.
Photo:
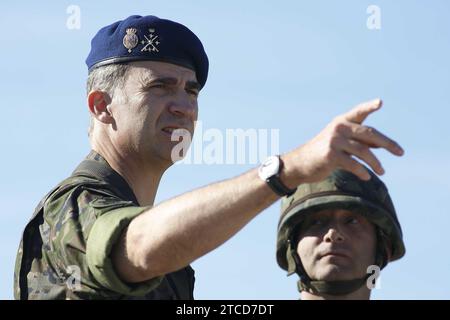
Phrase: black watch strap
(277, 186)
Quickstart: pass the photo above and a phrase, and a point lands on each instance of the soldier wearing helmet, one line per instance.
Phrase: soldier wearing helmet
(331, 232)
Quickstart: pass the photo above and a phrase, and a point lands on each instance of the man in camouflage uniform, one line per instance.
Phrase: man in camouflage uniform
(98, 234)
(335, 233)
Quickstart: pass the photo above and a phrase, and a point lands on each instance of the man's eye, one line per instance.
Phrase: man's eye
(193, 92)
(352, 221)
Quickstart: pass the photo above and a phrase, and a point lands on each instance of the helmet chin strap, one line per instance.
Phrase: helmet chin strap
(336, 288)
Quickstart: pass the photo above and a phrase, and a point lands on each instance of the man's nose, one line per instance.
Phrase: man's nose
(183, 106)
(334, 235)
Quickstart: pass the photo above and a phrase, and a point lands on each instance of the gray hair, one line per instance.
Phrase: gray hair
(106, 78)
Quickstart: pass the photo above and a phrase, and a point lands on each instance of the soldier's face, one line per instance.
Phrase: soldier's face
(160, 97)
(336, 245)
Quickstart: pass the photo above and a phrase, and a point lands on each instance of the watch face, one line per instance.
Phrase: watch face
(269, 167)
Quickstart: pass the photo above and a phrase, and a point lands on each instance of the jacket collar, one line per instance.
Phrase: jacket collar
(94, 165)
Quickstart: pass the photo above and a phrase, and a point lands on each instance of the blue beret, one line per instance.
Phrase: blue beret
(148, 38)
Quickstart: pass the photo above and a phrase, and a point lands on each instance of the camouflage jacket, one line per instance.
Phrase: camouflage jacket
(65, 248)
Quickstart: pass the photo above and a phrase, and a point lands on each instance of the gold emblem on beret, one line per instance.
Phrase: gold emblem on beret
(130, 40)
(151, 42)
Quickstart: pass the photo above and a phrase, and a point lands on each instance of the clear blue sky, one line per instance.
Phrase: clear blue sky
(287, 65)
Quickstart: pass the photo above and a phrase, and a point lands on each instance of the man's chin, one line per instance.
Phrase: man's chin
(334, 272)
(168, 152)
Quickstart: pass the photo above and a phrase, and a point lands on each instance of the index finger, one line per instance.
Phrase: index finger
(362, 111)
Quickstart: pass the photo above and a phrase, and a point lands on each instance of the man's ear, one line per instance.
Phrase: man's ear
(98, 102)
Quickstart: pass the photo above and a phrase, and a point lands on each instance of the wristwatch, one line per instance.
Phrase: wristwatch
(269, 171)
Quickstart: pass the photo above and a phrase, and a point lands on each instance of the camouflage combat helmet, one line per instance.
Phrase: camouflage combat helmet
(340, 190)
